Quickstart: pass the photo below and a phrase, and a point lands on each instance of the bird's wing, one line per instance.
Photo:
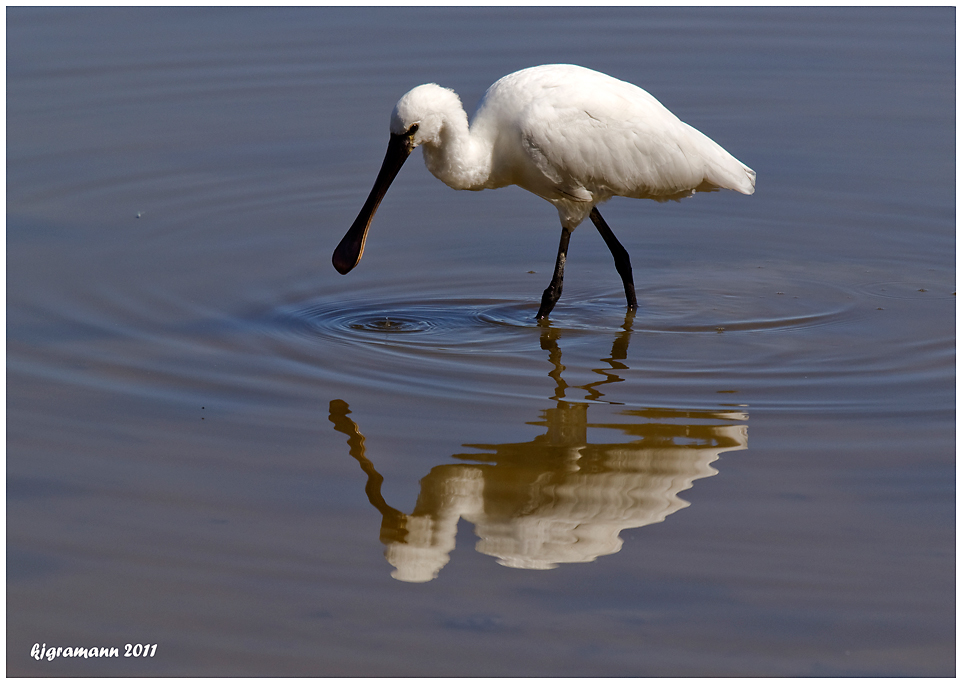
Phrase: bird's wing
(611, 148)
(613, 138)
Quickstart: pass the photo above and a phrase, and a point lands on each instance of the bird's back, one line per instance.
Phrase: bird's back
(587, 136)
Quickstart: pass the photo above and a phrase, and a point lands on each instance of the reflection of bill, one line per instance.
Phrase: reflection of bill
(555, 499)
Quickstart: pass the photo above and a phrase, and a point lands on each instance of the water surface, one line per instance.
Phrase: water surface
(219, 445)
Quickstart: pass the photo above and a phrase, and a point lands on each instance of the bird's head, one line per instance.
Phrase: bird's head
(425, 110)
(418, 119)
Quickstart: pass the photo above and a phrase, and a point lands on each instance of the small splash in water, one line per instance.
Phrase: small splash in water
(392, 325)
(448, 324)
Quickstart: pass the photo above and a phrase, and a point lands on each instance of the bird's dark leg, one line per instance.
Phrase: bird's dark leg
(553, 292)
(622, 260)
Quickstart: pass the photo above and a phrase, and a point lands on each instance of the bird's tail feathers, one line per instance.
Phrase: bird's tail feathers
(730, 173)
(721, 168)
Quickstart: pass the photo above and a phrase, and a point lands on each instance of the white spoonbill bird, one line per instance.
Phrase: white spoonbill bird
(573, 136)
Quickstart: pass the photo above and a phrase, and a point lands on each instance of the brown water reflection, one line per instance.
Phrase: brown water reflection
(560, 498)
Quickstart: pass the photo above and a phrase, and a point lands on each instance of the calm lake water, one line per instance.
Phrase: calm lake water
(218, 445)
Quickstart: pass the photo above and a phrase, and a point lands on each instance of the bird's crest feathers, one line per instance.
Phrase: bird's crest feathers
(428, 106)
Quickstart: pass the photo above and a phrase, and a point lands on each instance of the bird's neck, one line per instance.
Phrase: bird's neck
(459, 158)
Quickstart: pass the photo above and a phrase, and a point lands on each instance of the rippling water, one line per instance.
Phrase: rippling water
(218, 445)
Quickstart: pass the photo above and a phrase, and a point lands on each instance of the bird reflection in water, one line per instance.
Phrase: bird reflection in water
(558, 498)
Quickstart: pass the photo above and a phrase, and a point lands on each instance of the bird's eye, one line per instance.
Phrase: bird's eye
(412, 130)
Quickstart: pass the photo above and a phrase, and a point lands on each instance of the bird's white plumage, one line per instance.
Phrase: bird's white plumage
(573, 136)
